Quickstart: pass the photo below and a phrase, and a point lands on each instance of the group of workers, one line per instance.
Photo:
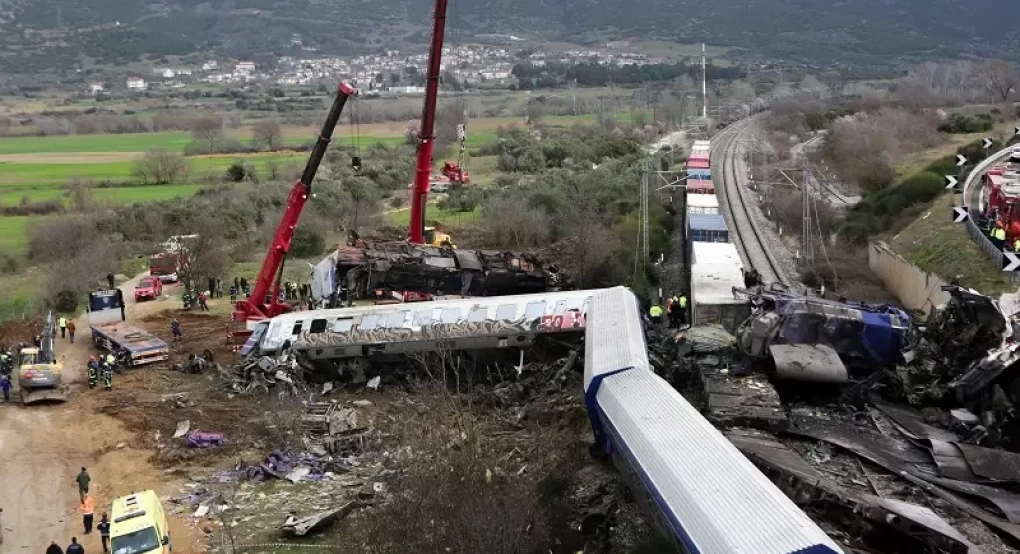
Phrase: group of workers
(101, 366)
(998, 236)
(88, 510)
(675, 311)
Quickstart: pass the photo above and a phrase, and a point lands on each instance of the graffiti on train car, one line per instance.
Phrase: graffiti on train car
(570, 321)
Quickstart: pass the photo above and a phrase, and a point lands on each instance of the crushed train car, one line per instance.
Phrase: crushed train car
(816, 339)
(357, 271)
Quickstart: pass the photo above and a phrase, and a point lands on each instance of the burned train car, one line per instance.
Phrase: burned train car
(363, 270)
(816, 339)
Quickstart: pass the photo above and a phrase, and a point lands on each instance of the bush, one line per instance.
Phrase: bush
(307, 243)
(236, 172)
(65, 301)
(961, 123)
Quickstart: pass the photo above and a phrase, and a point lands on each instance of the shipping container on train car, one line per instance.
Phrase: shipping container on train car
(715, 269)
(701, 146)
(698, 160)
(707, 228)
(703, 174)
(702, 204)
(699, 186)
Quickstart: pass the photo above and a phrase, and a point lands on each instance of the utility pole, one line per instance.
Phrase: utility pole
(704, 83)
(806, 234)
(645, 251)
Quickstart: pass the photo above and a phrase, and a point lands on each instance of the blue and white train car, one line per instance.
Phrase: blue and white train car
(700, 489)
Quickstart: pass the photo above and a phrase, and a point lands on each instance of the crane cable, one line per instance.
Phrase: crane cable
(355, 121)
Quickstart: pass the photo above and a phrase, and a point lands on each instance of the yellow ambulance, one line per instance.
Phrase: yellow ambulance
(138, 525)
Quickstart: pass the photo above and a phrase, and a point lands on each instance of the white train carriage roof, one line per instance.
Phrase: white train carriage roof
(413, 316)
(714, 500)
(715, 270)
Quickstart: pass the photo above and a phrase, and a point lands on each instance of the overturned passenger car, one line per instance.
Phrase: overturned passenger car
(815, 339)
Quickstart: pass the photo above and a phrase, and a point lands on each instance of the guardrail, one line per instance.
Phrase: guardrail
(994, 253)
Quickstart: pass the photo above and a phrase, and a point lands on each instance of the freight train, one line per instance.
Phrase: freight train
(714, 261)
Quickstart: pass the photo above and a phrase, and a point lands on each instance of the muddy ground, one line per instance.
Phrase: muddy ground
(533, 441)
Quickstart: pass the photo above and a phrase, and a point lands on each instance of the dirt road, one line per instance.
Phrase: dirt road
(42, 448)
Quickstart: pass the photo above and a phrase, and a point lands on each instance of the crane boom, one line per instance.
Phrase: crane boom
(426, 135)
(257, 306)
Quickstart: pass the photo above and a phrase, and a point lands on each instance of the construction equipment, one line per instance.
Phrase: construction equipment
(426, 132)
(455, 173)
(265, 296)
(437, 238)
(40, 375)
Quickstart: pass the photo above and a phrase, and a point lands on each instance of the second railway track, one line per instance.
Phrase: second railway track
(744, 229)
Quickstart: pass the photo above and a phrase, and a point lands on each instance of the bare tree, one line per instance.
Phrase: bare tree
(207, 254)
(161, 167)
(208, 128)
(1000, 77)
(510, 222)
(268, 134)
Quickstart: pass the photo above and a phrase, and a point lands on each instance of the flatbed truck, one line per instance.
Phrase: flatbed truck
(112, 332)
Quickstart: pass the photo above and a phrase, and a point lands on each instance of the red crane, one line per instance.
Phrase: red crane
(426, 134)
(258, 306)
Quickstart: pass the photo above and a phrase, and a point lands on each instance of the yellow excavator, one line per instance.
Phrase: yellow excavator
(40, 375)
(434, 237)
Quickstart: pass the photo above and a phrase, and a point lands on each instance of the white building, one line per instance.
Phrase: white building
(244, 67)
(96, 87)
(136, 83)
(210, 66)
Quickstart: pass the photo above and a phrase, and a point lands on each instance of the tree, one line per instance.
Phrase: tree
(208, 129)
(160, 167)
(207, 254)
(1000, 77)
(268, 134)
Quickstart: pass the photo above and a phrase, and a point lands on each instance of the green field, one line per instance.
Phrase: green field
(13, 232)
(433, 213)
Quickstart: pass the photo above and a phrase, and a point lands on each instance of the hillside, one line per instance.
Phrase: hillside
(866, 31)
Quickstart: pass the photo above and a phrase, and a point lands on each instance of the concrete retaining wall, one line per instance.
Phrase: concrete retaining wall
(917, 289)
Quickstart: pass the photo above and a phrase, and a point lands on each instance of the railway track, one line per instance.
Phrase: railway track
(735, 201)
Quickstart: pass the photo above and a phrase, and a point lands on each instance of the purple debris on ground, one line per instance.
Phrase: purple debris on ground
(198, 439)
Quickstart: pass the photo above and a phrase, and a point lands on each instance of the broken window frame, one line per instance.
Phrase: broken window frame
(318, 326)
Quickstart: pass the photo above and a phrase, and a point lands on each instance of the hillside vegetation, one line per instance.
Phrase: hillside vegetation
(863, 30)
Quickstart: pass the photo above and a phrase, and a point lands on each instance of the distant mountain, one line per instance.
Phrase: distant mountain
(870, 31)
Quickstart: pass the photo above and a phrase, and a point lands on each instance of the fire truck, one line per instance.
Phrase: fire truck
(1000, 198)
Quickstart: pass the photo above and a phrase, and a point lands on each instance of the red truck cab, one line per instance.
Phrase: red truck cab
(149, 288)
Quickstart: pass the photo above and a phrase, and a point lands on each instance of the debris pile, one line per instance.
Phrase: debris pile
(898, 436)
(261, 374)
(344, 480)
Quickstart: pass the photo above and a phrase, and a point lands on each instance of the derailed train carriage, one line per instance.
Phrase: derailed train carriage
(357, 271)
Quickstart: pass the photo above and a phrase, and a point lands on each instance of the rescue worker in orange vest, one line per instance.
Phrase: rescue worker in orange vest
(88, 510)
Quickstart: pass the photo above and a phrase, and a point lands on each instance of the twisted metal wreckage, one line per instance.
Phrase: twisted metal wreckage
(930, 400)
(854, 362)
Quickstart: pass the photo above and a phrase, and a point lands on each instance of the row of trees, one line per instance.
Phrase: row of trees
(552, 75)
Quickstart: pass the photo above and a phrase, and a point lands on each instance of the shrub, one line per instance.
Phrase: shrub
(960, 123)
(65, 301)
(307, 243)
(236, 172)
